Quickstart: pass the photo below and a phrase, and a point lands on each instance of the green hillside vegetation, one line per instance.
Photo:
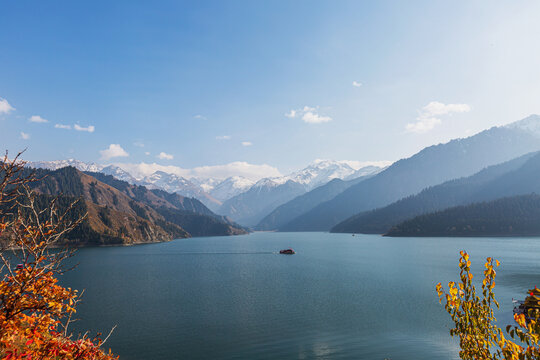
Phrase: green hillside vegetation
(510, 216)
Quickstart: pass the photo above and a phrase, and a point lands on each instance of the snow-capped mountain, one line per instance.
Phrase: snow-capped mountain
(170, 182)
(58, 164)
(230, 187)
(319, 173)
(119, 173)
(176, 184)
(207, 184)
(250, 206)
(214, 192)
(223, 189)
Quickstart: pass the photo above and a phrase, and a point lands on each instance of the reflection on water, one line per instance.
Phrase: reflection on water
(339, 297)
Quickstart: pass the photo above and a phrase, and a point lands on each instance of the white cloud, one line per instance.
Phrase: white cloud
(428, 117)
(165, 156)
(89, 128)
(314, 118)
(138, 144)
(37, 119)
(309, 115)
(291, 114)
(114, 150)
(237, 168)
(147, 153)
(223, 137)
(247, 143)
(356, 84)
(25, 136)
(423, 125)
(437, 108)
(5, 107)
(62, 126)
(198, 116)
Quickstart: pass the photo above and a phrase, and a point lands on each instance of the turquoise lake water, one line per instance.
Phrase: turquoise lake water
(339, 297)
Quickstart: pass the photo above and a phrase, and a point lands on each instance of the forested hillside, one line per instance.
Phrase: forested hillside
(514, 177)
(512, 216)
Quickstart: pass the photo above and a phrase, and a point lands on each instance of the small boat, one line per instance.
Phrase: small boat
(288, 251)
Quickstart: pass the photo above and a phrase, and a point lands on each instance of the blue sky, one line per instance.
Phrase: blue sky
(208, 83)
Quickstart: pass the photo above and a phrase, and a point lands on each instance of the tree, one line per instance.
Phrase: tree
(35, 311)
(475, 324)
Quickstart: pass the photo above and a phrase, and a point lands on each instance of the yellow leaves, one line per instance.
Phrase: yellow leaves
(520, 319)
(475, 323)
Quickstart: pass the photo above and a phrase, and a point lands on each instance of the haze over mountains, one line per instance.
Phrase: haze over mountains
(431, 166)
(515, 177)
(508, 216)
(241, 199)
(250, 207)
(335, 195)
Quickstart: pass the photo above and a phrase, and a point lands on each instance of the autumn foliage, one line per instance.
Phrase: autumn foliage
(35, 311)
(475, 324)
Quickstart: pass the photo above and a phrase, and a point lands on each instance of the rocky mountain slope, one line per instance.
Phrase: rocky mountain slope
(121, 213)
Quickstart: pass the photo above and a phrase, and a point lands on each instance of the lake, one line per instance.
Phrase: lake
(339, 297)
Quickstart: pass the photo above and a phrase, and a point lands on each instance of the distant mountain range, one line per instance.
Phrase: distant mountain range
(251, 206)
(510, 216)
(303, 203)
(239, 198)
(431, 166)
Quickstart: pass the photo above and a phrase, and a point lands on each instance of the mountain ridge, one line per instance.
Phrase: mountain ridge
(431, 166)
(482, 186)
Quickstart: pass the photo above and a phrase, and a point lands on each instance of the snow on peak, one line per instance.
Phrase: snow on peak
(230, 187)
(315, 174)
(118, 173)
(320, 172)
(59, 164)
